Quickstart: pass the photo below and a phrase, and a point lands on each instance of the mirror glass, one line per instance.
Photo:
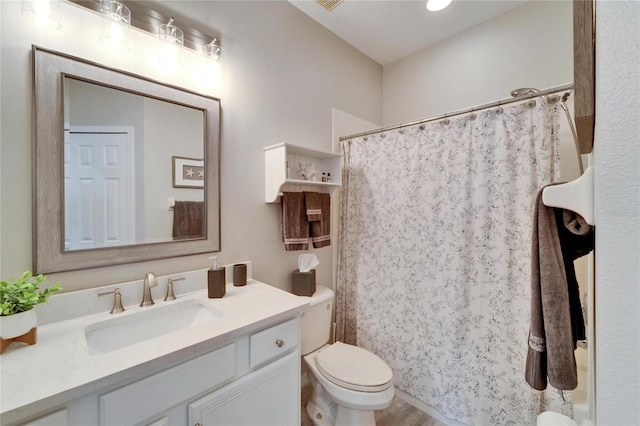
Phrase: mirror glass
(126, 169)
(127, 158)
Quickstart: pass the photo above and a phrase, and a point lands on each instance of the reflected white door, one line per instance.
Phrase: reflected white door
(98, 188)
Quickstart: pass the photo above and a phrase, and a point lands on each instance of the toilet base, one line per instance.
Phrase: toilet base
(324, 412)
(345, 416)
(320, 408)
(318, 416)
(350, 417)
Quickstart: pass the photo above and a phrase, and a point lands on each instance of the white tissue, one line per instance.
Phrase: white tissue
(307, 262)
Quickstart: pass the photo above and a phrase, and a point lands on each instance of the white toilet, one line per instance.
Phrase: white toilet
(550, 418)
(348, 382)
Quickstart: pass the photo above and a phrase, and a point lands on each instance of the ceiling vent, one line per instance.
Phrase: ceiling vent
(329, 4)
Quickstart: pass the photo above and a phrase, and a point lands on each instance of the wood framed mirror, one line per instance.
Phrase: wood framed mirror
(104, 145)
(584, 71)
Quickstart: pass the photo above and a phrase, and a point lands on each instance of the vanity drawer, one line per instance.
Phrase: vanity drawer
(138, 401)
(273, 342)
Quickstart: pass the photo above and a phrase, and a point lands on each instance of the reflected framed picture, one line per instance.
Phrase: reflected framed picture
(188, 172)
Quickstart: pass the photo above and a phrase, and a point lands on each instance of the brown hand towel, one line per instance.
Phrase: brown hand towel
(321, 230)
(188, 220)
(552, 330)
(313, 206)
(295, 226)
(550, 350)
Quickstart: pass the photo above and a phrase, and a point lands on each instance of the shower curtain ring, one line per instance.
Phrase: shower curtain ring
(473, 115)
(499, 109)
(446, 120)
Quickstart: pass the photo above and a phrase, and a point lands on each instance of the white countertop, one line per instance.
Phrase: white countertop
(58, 367)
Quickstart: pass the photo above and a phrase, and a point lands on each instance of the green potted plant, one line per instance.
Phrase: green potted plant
(18, 297)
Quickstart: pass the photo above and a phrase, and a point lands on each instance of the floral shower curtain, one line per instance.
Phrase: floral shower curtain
(434, 257)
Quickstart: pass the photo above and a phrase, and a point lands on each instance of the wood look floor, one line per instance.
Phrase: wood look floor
(399, 413)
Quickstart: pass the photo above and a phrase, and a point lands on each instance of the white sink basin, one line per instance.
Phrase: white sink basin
(149, 323)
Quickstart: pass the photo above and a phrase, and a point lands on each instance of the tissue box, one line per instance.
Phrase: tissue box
(303, 283)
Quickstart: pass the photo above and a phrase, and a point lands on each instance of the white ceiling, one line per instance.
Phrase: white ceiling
(388, 30)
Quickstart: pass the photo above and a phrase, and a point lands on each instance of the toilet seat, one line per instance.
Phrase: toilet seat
(353, 368)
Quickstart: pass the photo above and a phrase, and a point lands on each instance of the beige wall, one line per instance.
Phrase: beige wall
(530, 46)
(283, 76)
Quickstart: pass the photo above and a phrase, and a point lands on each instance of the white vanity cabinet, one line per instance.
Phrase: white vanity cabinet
(253, 381)
(241, 367)
(269, 396)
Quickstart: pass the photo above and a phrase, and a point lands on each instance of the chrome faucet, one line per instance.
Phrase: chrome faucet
(150, 280)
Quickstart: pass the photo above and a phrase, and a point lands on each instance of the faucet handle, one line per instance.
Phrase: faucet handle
(117, 301)
(170, 294)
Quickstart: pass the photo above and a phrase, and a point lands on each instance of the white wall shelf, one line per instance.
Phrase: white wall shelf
(275, 170)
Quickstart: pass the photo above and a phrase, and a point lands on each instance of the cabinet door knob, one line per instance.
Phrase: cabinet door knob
(279, 343)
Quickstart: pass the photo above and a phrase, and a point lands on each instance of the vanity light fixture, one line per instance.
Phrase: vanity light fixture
(213, 50)
(43, 12)
(171, 43)
(208, 72)
(435, 5)
(116, 23)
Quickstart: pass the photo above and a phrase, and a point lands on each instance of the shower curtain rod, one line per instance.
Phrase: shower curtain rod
(465, 111)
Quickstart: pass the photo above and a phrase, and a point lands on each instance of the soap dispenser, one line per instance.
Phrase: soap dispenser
(216, 284)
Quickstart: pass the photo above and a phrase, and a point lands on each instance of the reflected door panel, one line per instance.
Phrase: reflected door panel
(98, 189)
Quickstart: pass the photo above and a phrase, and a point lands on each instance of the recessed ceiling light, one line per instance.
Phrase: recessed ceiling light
(435, 5)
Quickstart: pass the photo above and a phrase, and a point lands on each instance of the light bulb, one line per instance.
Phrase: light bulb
(435, 5)
(116, 21)
(42, 12)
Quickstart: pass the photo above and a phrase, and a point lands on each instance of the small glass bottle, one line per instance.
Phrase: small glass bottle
(288, 171)
(328, 177)
(324, 177)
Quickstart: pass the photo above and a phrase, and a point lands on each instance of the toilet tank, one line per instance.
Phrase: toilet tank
(316, 321)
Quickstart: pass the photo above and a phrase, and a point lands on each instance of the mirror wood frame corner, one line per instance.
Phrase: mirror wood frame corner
(49, 254)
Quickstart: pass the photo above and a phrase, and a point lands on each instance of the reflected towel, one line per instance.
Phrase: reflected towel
(558, 238)
(188, 220)
(321, 229)
(295, 226)
(313, 206)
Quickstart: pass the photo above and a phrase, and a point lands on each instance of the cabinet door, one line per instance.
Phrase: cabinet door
(268, 396)
(140, 401)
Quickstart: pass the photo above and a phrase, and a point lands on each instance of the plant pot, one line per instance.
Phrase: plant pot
(20, 327)
(17, 324)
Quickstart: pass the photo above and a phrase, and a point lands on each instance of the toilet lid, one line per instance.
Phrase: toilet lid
(353, 368)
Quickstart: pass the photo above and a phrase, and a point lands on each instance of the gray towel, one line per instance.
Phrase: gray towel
(551, 334)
